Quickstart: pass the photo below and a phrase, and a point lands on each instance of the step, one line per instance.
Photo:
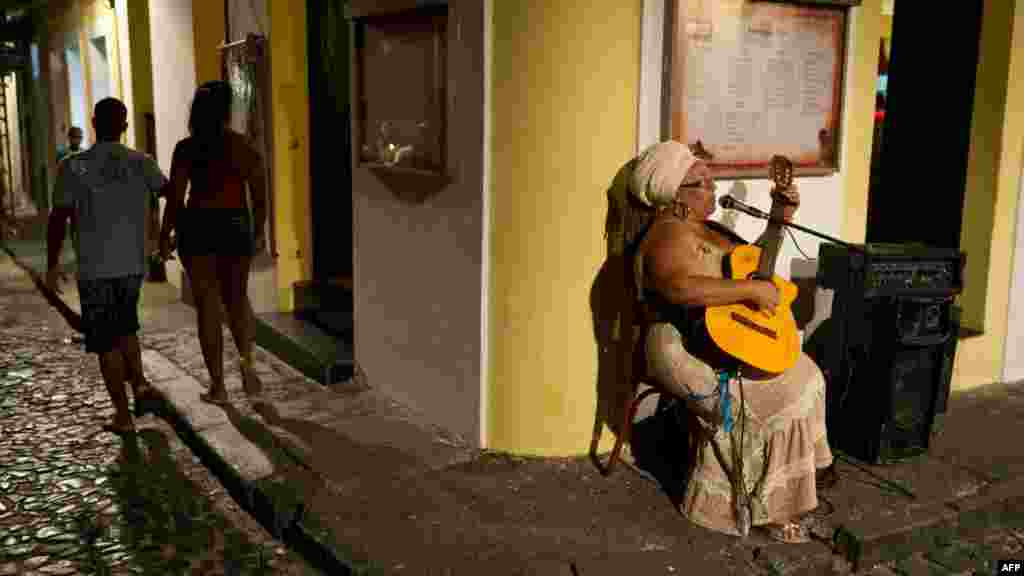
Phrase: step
(328, 305)
(332, 295)
(306, 347)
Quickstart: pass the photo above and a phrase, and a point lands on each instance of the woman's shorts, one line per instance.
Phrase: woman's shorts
(110, 310)
(215, 231)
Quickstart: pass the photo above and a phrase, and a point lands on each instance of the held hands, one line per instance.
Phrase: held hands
(167, 245)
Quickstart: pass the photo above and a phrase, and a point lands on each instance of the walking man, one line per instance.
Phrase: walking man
(74, 144)
(74, 147)
(108, 188)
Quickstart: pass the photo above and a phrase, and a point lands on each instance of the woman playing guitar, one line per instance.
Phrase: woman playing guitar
(711, 295)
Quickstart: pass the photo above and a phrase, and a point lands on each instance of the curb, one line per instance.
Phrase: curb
(277, 508)
(944, 519)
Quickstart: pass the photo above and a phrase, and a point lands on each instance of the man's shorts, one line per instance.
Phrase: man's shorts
(110, 310)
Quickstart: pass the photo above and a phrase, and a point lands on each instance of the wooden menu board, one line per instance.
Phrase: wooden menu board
(750, 80)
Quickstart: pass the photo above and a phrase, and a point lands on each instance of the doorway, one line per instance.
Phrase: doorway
(331, 151)
(330, 165)
(919, 172)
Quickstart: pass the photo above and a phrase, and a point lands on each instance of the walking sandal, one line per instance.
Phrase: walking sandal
(216, 399)
(788, 533)
(251, 383)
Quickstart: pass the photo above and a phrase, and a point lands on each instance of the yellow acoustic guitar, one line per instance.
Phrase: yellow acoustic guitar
(764, 339)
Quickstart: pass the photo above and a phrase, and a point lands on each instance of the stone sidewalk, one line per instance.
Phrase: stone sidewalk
(359, 484)
(76, 500)
(363, 482)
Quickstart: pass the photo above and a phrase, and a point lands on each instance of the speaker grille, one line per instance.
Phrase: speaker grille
(914, 374)
(887, 372)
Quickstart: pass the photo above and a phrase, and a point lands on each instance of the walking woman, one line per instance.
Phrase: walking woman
(216, 237)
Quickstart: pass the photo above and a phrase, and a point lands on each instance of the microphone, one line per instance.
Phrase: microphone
(729, 203)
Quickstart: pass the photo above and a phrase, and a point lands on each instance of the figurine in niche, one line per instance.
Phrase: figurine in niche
(389, 153)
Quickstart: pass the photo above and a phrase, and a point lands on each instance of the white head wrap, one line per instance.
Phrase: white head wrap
(659, 171)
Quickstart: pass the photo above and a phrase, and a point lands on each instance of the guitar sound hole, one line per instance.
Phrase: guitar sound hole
(754, 326)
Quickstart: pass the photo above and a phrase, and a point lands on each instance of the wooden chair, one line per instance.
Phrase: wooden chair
(634, 321)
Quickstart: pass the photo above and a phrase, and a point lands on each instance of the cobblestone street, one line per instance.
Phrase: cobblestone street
(76, 500)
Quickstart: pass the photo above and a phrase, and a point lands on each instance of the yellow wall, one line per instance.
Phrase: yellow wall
(142, 69)
(564, 122)
(98, 19)
(290, 105)
(858, 130)
(82, 20)
(993, 180)
(209, 29)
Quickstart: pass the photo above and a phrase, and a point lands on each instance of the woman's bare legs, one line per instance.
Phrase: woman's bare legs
(233, 273)
(202, 274)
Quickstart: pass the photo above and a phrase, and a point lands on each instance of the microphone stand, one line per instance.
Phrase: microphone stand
(815, 233)
(763, 216)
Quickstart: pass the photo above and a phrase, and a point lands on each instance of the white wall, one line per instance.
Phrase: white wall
(419, 266)
(822, 197)
(1013, 358)
(174, 82)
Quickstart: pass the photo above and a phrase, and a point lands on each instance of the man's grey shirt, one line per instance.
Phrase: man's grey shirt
(111, 188)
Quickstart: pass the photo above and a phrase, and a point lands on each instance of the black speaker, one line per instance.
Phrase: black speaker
(888, 363)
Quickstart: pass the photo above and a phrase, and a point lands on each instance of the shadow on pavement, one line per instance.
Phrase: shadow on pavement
(168, 521)
(661, 448)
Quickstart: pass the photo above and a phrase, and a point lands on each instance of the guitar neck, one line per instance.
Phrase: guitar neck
(771, 241)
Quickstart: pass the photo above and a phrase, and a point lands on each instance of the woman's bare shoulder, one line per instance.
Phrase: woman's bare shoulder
(667, 229)
(670, 246)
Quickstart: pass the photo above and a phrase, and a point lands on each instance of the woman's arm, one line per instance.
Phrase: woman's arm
(670, 263)
(174, 191)
(256, 176)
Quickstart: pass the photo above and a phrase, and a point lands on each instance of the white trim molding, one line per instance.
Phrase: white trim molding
(652, 70)
(1013, 351)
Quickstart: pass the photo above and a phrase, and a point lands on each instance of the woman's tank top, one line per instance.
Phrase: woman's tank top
(219, 182)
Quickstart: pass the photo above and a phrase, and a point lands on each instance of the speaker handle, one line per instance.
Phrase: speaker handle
(927, 340)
